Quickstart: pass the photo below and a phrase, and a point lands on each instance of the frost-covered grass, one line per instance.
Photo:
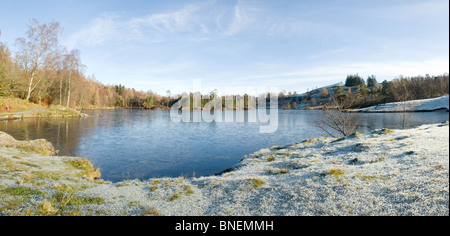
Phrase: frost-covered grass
(387, 172)
(411, 106)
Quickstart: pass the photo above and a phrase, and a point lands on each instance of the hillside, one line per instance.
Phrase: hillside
(312, 98)
(432, 104)
(356, 94)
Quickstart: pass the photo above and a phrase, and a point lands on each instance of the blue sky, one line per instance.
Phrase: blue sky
(292, 45)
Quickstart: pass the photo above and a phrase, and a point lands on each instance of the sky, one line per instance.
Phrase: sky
(291, 45)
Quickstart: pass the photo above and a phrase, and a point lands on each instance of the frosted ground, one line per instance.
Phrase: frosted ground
(386, 172)
(433, 104)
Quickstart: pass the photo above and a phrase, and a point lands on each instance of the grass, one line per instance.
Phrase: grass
(156, 182)
(188, 190)
(21, 191)
(35, 150)
(356, 134)
(86, 167)
(150, 212)
(271, 158)
(70, 199)
(174, 197)
(9, 165)
(28, 164)
(278, 171)
(370, 177)
(58, 111)
(312, 141)
(256, 182)
(153, 188)
(16, 199)
(337, 173)
(386, 131)
(27, 178)
(64, 188)
(46, 208)
(16, 105)
(50, 175)
(439, 167)
(59, 204)
(40, 146)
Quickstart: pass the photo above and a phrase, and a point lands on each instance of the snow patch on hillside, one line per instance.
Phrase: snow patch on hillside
(432, 104)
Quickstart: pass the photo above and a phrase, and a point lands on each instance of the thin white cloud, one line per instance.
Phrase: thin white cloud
(180, 20)
(241, 19)
(193, 22)
(98, 31)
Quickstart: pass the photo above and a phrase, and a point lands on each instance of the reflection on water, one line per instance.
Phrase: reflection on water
(130, 144)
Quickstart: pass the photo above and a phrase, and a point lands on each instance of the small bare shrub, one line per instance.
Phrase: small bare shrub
(336, 121)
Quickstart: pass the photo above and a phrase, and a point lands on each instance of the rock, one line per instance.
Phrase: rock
(40, 146)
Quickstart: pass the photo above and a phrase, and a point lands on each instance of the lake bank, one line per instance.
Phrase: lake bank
(386, 172)
(54, 111)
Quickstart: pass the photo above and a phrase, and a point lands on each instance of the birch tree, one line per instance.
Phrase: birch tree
(72, 63)
(35, 51)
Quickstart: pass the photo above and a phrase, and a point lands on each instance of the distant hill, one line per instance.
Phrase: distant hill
(311, 99)
(356, 93)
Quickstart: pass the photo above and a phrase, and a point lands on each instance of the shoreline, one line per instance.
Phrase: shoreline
(356, 175)
(51, 112)
(415, 111)
(439, 104)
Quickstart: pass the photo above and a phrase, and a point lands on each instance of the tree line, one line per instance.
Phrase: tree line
(358, 92)
(42, 71)
(365, 93)
(337, 121)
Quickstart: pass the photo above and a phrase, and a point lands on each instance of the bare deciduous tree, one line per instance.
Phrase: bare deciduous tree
(72, 64)
(336, 121)
(403, 94)
(36, 50)
(324, 93)
(7, 82)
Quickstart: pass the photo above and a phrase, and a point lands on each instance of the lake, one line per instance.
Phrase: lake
(141, 144)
